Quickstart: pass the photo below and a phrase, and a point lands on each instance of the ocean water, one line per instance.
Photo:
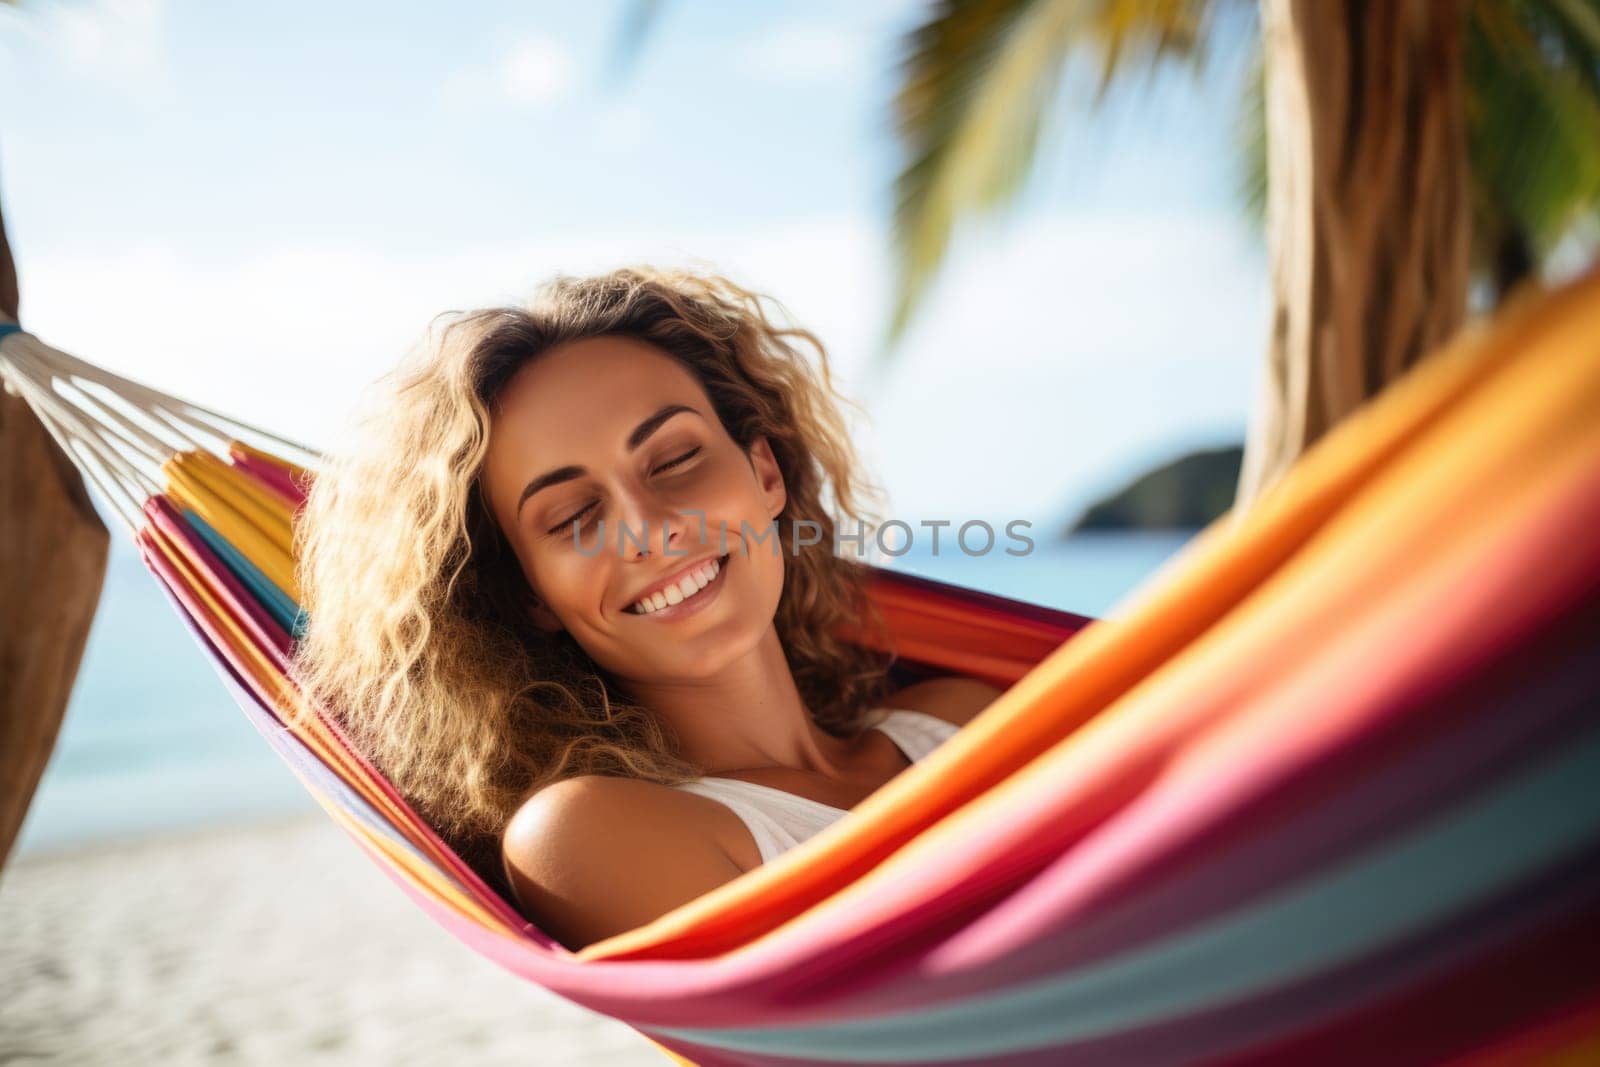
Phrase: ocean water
(153, 741)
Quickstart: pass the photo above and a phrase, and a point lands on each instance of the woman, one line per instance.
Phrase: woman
(560, 595)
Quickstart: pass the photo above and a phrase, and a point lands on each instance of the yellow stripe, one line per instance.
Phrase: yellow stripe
(270, 553)
(269, 511)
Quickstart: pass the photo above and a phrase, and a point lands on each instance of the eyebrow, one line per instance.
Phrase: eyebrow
(641, 433)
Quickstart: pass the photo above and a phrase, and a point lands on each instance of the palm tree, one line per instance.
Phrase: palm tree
(1402, 150)
(53, 550)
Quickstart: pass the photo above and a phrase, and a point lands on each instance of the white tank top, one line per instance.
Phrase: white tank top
(780, 820)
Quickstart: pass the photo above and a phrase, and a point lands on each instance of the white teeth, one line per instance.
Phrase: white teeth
(683, 589)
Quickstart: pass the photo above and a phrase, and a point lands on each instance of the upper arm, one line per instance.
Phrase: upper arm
(594, 856)
(955, 699)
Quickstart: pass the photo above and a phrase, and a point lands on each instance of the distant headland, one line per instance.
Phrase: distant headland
(1186, 493)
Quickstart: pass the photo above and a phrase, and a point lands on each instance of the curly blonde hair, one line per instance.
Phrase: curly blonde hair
(419, 640)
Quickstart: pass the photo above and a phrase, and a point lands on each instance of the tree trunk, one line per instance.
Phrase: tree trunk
(1368, 211)
(10, 299)
(52, 563)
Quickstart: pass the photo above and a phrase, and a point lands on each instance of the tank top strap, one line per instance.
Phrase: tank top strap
(779, 820)
(916, 732)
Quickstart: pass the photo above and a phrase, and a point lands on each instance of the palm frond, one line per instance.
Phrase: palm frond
(1251, 137)
(638, 23)
(978, 82)
(1533, 117)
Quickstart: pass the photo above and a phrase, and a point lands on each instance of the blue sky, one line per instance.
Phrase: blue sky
(260, 206)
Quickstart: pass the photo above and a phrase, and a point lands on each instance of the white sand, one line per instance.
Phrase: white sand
(275, 943)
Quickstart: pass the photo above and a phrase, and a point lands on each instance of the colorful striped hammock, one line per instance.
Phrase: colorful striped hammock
(1322, 789)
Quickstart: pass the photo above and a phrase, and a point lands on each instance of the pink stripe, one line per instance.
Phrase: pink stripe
(270, 476)
(244, 607)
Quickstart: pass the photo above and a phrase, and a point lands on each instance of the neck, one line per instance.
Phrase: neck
(747, 716)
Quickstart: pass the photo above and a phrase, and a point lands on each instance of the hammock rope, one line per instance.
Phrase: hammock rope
(1320, 789)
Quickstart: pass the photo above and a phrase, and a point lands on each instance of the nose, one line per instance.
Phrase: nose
(649, 524)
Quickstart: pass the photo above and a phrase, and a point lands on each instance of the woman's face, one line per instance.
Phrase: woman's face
(617, 437)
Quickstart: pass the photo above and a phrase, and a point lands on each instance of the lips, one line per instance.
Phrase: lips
(683, 586)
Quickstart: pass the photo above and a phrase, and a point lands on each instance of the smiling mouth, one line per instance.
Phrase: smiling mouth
(686, 589)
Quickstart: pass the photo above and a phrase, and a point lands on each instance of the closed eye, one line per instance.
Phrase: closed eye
(686, 457)
(574, 517)
(668, 465)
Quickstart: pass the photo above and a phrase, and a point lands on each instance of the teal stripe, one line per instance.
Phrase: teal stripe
(1504, 835)
(277, 603)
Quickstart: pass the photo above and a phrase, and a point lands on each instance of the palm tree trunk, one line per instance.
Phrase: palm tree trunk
(1368, 211)
(10, 299)
(52, 563)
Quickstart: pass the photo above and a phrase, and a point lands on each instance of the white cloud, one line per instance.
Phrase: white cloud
(536, 70)
(121, 43)
(530, 71)
(1045, 366)
(804, 53)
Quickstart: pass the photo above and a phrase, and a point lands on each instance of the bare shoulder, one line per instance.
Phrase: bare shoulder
(594, 856)
(956, 698)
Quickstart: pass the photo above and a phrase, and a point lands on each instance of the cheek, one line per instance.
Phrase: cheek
(574, 584)
(768, 569)
(717, 514)
(739, 500)
(762, 559)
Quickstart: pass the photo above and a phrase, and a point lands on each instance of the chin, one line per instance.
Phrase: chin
(706, 654)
